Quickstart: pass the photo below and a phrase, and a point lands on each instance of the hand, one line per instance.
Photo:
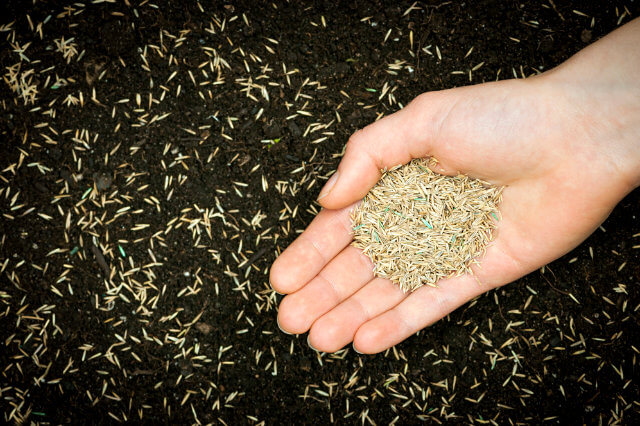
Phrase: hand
(565, 144)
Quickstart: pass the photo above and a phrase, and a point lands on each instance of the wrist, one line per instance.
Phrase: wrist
(609, 120)
(603, 112)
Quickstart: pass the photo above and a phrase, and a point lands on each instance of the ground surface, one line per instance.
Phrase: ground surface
(156, 158)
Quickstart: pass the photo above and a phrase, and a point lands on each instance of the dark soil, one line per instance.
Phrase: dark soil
(135, 245)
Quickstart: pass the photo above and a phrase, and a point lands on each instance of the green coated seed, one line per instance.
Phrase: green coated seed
(87, 192)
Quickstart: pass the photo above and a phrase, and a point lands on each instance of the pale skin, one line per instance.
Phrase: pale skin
(566, 144)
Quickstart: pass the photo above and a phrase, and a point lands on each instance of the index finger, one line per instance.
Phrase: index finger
(329, 232)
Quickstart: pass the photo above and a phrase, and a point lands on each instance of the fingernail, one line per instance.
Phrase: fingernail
(311, 346)
(354, 348)
(278, 322)
(327, 186)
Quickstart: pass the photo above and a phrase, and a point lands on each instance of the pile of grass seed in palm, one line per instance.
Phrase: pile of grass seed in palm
(418, 226)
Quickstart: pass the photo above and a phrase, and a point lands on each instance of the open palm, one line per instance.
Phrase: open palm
(524, 134)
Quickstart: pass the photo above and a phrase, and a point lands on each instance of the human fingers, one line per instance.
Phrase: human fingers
(428, 304)
(328, 233)
(502, 264)
(421, 309)
(342, 276)
(336, 328)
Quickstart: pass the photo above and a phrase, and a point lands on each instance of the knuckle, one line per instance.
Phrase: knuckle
(357, 139)
(421, 101)
(360, 144)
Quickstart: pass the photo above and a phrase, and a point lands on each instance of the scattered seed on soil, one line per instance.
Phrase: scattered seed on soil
(196, 136)
(418, 226)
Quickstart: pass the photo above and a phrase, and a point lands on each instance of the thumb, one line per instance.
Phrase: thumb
(391, 141)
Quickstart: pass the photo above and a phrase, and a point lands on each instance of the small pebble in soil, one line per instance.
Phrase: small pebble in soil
(203, 328)
(103, 181)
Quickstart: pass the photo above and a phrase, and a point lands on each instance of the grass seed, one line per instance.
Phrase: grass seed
(418, 226)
